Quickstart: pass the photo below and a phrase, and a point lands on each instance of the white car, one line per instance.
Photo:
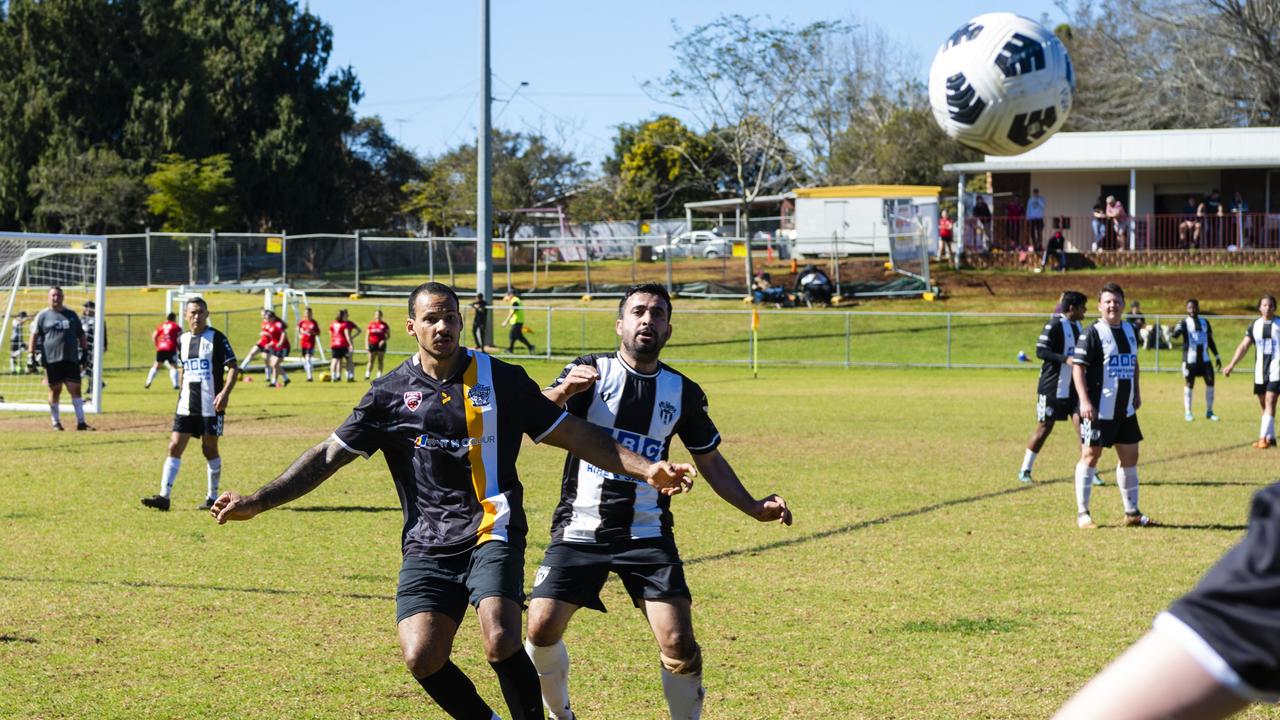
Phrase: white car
(696, 244)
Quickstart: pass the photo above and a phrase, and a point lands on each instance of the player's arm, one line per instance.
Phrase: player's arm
(721, 477)
(578, 379)
(1137, 387)
(1179, 330)
(1050, 338)
(1241, 349)
(233, 374)
(305, 474)
(591, 443)
(1213, 346)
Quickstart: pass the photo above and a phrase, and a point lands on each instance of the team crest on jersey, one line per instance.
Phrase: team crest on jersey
(479, 396)
(667, 411)
(540, 575)
(412, 400)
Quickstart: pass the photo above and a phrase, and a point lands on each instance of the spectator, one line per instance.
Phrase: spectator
(946, 234)
(763, 291)
(1057, 247)
(1014, 215)
(1035, 218)
(982, 222)
(1189, 225)
(1119, 220)
(1099, 223)
(1147, 335)
(1238, 209)
(1210, 211)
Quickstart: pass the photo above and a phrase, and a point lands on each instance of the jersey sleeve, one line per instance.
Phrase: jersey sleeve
(1050, 339)
(538, 415)
(1089, 350)
(578, 404)
(695, 428)
(77, 326)
(228, 355)
(1180, 329)
(363, 430)
(1208, 333)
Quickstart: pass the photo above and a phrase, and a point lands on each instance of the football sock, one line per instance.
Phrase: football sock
(519, 682)
(684, 691)
(306, 365)
(215, 475)
(1028, 460)
(454, 692)
(151, 375)
(1084, 486)
(1268, 429)
(171, 466)
(54, 416)
(78, 404)
(1208, 399)
(282, 375)
(1127, 481)
(552, 664)
(1186, 399)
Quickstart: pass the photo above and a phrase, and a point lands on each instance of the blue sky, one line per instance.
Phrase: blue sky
(419, 60)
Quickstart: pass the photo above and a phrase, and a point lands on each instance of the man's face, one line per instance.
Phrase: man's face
(55, 298)
(1076, 314)
(378, 316)
(1267, 308)
(1192, 310)
(644, 326)
(197, 317)
(436, 324)
(1111, 307)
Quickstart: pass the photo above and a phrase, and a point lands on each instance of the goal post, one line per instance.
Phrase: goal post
(30, 264)
(910, 235)
(291, 306)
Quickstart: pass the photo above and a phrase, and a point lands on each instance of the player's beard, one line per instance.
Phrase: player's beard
(643, 348)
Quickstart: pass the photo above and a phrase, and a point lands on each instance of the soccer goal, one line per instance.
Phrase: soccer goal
(291, 307)
(911, 229)
(30, 264)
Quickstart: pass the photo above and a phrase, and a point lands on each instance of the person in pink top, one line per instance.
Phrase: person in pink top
(1119, 220)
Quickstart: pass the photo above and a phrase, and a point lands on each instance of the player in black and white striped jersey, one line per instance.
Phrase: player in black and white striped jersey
(1056, 395)
(1107, 379)
(205, 355)
(1197, 343)
(1264, 335)
(611, 523)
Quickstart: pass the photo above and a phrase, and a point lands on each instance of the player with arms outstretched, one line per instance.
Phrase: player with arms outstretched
(1264, 335)
(1056, 394)
(308, 331)
(1197, 343)
(449, 422)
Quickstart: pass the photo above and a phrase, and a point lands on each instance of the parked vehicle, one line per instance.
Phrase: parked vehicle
(695, 244)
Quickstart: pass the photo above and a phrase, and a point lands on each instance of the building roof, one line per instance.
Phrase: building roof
(731, 203)
(1212, 148)
(868, 191)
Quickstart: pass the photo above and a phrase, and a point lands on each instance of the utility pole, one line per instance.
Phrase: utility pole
(484, 183)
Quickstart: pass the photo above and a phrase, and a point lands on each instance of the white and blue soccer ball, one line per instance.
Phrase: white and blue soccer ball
(1001, 84)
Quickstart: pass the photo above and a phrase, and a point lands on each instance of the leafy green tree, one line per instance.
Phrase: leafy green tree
(95, 191)
(662, 166)
(192, 195)
(378, 170)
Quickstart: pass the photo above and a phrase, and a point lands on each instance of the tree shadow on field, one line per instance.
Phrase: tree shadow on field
(341, 508)
(78, 445)
(1189, 526)
(195, 586)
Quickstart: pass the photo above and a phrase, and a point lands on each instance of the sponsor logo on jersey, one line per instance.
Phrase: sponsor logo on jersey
(196, 365)
(479, 396)
(430, 443)
(412, 400)
(1121, 365)
(645, 447)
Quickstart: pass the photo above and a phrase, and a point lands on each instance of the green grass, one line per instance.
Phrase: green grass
(919, 581)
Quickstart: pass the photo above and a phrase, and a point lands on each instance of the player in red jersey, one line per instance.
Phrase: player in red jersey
(264, 344)
(279, 350)
(308, 331)
(376, 337)
(341, 333)
(165, 336)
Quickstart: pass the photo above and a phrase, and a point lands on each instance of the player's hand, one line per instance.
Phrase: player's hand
(232, 506)
(1218, 362)
(580, 378)
(770, 509)
(220, 402)
(671, 478)
(1088, 411)
(1137, 400)
(1226, 371)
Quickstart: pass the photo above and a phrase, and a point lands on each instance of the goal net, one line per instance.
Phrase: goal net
(910, 233)
(30, 264)
(284, 301)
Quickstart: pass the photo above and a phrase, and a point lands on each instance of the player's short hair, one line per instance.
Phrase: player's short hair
(1193, 301)
(646, 289)
(56, 287)
(1112, 288)
(198, 301)
(171, 317)
(1071, 299)
(432, 288)
(1272, 298)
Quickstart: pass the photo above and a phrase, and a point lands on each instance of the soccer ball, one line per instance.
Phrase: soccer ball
(1001, 84)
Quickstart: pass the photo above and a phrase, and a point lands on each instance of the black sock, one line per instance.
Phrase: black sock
(520, 688)
(454, 692)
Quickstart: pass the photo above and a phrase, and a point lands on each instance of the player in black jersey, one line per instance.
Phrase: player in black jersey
(449, 422)
(607, 522)
(1056, 395)
(1264, 335)
(1197, 343)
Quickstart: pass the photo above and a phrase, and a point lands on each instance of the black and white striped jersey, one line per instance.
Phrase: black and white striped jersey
(1197, 340)
(1057, 343)
(205, 359)
(1110, 357)
(1265, 335)
(642, 412)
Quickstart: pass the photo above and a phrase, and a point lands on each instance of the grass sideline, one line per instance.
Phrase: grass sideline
(920, 580)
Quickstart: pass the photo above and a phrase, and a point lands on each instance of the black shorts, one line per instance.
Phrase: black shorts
(1051, 409)
(1232, 612)
(198, 425)
(282, 354)
(62, 372)
(307, 352)
(447, 584)
(1271, 387)
(167, 356)
(1191, 371)
(1105, 433)
(338, 353)
(16, 346)
(575, 572)
(263, 348)
(378, 347)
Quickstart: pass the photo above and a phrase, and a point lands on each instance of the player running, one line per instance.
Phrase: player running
(449, 422)
(279, 350)
(515, 319)
(1197, 343)
(610, 522)
(165, 337)
(308, 331)
(206, 355)
(1056, 394)
(61, 337)
(341, 334)
(376, 337)
(264, 345)
(1105, 373)
(1264, 335)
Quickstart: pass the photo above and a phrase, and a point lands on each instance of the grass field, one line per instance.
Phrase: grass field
(919, 581)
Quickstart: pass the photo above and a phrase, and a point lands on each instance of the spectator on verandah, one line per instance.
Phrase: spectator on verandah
(982, 223)
(1210, 212)
(1014, 214)
(1035, 218)
(1189, 224)
(1237, 210)
(1057, 247)
(946, 234)
(1099, 223)
(1119, 220)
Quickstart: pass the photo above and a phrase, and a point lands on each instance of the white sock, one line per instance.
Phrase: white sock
(552, 663)
(54, 415)
(1127, 481)
(78, 404)
(1028, 460)
(151, 375)
(1084, 486)
(1208, 399)
(215, 474)
(1268, 429)
(173, 377)
(306, 365)
(1186, 399)
(171, 466)
(684, 694)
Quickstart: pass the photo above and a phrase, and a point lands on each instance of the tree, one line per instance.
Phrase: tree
(378, 171)
(662, 165)
(192, 195)
(95, 191)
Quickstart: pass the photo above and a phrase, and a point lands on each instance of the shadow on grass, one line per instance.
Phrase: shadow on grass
(194, 586)
(17, 639)
(50, 446)
(342, 508)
